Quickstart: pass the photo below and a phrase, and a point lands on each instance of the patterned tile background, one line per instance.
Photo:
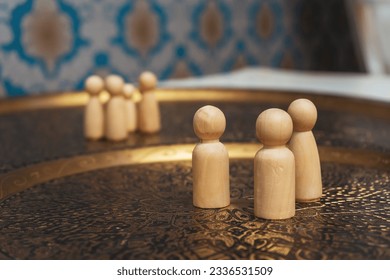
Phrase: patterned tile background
(53, 45)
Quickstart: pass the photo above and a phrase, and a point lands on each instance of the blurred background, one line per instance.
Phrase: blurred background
(49, 46)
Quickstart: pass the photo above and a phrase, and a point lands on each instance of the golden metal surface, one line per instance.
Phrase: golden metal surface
(72, 99)
(132, 200)
(42, 102)
(23, 178)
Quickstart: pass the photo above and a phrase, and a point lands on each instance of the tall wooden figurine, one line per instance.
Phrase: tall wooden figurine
(308, 184)
(274, 172)
(210, 160)
(94, 115)
(116, 125)
(131, 110)
(149, 111)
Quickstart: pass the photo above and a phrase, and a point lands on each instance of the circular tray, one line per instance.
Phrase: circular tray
(65, 198)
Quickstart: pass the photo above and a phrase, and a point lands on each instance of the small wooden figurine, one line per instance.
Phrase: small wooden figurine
(131, 110)
(94, 115)
(274, 172)
(148, 112)
(308, 184)
(210, 160)
(116, 125)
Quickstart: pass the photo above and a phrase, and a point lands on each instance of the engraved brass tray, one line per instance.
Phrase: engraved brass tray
(62, 197)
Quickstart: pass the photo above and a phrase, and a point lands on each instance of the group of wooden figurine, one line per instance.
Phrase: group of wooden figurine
(286, 168)
(120, 115)
(282, 175)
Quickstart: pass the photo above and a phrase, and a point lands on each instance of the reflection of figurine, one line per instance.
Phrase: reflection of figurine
(274, 172)
(210, 160)
(131, 110)
(149, 111)
(115, 129)
(94, 115)
(308, 185)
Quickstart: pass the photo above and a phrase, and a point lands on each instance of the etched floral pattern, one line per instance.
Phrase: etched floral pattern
(104, 214)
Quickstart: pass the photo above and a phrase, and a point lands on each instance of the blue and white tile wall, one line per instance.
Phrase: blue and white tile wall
(53, 45)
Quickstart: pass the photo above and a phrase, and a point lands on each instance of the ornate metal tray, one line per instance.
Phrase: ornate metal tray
(65, 198)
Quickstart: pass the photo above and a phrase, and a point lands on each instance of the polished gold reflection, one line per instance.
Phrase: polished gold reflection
(24, 178)
(73, 99)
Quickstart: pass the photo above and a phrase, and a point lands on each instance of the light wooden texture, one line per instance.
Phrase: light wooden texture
(131, 109)
(115, 125)
(274, 167)
(94, 114)
(210, 160)
(308, 184)
(149, 120)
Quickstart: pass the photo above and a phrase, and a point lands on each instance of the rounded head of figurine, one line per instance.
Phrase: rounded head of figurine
(274, 127)
(147, 81)
(94, 85)
(128, 90)
(114, 84)
(303, 113)
(209, 123)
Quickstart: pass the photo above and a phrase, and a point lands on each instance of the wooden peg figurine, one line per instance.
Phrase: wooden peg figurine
(149, 111)
(116, 125)
(94, 114)
(308, 184)
(274, 172)
(210, 160)
(131, 110)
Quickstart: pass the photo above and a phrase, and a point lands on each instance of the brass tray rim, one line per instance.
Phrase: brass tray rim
(322, 100)
(32, 175)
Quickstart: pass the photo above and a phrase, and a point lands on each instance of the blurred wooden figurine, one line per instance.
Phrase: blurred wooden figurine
(210, 160)
(308, 182)
(149, 112)
(94, 114)
(131, 110)
(116, 125)
(274, 172)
